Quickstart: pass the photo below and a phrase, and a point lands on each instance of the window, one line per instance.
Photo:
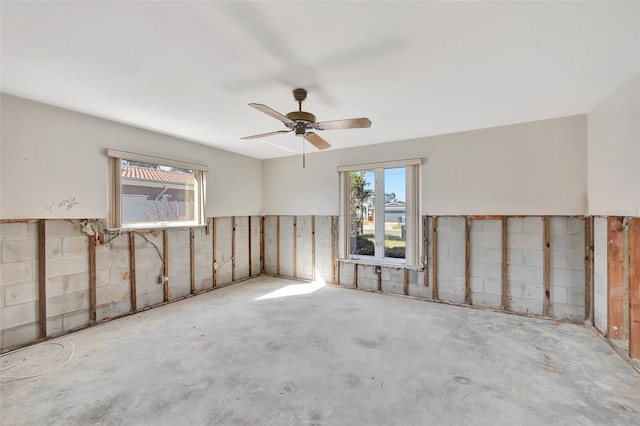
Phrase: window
(155, 192)
(380, 212)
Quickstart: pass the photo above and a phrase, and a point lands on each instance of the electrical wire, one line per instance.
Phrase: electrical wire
(73, 351)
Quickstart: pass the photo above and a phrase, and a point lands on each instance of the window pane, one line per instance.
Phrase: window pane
(395, 234)
(154, 193)
(361, 212)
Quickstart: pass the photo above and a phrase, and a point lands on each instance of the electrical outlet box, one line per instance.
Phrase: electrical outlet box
(163, 279)
(215, 265)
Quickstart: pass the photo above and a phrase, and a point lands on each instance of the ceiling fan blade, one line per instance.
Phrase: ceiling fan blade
(272, 113)
(317, 141)
(352, 123)
(262, 135)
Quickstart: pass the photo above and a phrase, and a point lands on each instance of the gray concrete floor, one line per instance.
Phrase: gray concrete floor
(333, 356)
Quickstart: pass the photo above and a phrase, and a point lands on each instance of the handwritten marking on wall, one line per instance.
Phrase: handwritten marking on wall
(67, 202)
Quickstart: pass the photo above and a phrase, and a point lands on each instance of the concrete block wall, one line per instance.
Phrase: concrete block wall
(19, 283)
(270, 245)
(286, 246)
(567, 241)
(486, 263)
(525, 265)
(67, 273)
(304, 269)
(600, 245)
(67, 285)
(451, 258)
(324, 261)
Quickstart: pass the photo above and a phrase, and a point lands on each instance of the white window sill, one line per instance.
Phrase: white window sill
(155, 227)
(383, 263)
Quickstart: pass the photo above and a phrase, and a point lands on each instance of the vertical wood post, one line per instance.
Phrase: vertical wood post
(434, 249)
(165, 261)
(277, 245)
(295, 246)
(406, 282)
(425, 250)
(214, 247)
(192, 260)
(335, 265)
(355, 275)
(588, 269)
(92, 278)
(504, 305)
(378, 278)
(262, 244)
(313, 248)
(249, 237)
(615, 278)
(233, 248)
(132, 272)
(634, 288)
(42, 279)
(467, 260)
(547, 267)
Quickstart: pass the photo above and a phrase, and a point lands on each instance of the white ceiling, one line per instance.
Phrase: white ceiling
(416, 69)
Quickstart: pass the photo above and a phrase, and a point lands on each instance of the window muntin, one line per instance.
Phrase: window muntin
(152, 192)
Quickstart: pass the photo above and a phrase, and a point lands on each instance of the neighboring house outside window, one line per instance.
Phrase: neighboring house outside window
(154, 192)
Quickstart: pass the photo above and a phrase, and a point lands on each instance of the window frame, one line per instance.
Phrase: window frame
(114, 218)
(413, 230)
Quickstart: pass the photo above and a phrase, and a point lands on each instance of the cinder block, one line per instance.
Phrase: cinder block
(525, 273)
(75, 319)
(575, 226)
(515, 257)
(394, 287)
(533, 291)
(525, 306)
(19, 251)
(15, 315)
(575, 260)
(515, 289)
(60, 305)
(53, 247)
(524, 241)
(419, 290)
(75, 246)
(62, 228)
(19, 335)
(13, 231)
(54, 325)
(67, 265)
(533, 258)
(568, 243)
(558, 259)
(567, 278)
(15, 294)
(558, 225)
(567, 312)
(55, 286)
(532, 225)
(118, 275)
(102, 277)
(76, 282)
(515, 225)
(17, 272)
(493, 287)
(486, 300)
(576, 296)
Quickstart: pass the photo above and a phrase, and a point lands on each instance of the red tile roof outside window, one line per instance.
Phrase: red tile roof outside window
(155, 175)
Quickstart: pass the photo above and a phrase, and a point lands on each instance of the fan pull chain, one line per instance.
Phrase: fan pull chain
(304, 139)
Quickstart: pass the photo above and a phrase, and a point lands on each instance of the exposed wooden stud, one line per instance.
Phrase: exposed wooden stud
(335, 265)
(295, 246)
(20, 220)
(132, 272)
(355, 275)
(546, 301)
(42, 279)
(378, 279)
(92, 278)
(486, 217)
(504, 305)
(214, 247)
(406, 282)
(425, 249)
(207, 230)
(313, 248)
(434, 257)
(249, 238)
(615, 278)
(588, 270)
(634, 288)
(467, 261)
(165, 261)
(233, 249)
(192, 260)
(262, 260)
(277, 245)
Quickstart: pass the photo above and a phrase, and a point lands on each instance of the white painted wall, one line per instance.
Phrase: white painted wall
(614, 152)
(536, 168)
(48, 154)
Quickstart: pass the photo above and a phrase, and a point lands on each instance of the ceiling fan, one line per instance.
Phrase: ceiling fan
(301, 122)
